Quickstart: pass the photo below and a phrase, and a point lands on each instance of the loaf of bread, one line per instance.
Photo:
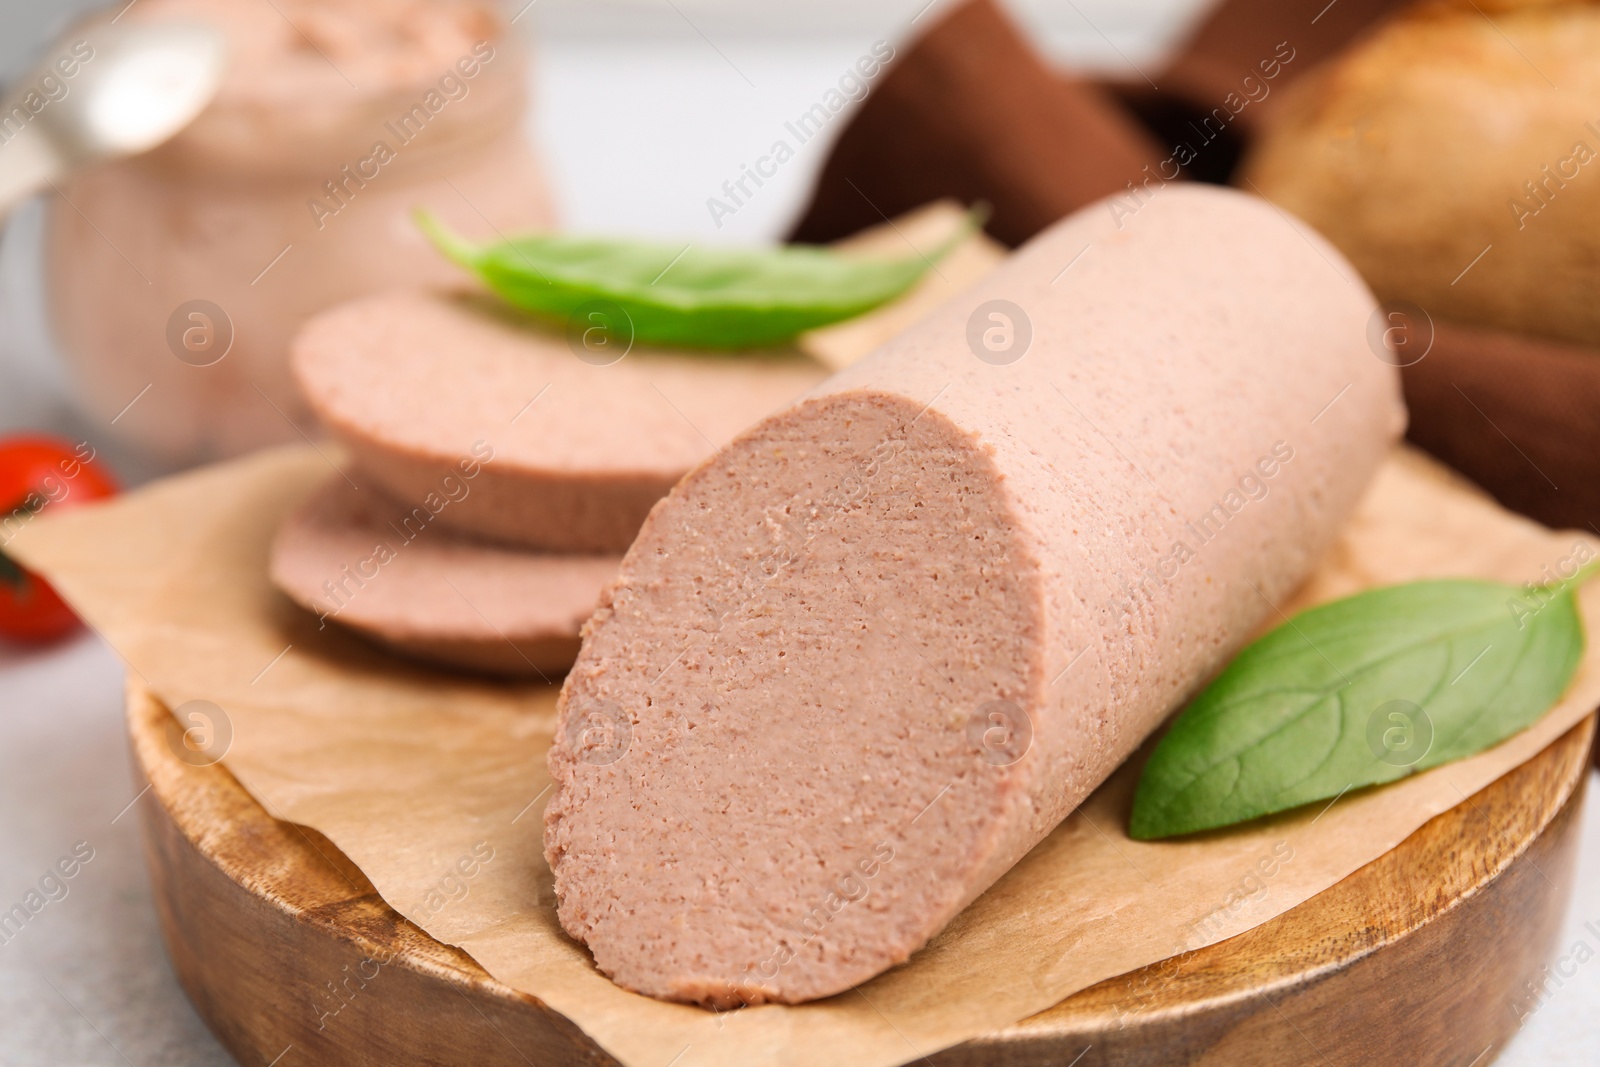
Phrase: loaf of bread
(1454, 156)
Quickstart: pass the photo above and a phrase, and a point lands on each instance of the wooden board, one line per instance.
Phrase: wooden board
(1418, 958)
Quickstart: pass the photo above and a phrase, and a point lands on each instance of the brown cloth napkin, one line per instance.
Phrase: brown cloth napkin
(1519, 415)
(1233, 40)
(1229, 72)
(971, 111)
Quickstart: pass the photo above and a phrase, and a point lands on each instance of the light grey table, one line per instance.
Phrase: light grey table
(643, 110)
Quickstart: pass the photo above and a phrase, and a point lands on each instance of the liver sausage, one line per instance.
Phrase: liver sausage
(412, 383)
(862, 661)
(391, 573)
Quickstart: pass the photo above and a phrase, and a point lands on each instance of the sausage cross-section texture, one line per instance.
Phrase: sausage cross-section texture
(861, 661)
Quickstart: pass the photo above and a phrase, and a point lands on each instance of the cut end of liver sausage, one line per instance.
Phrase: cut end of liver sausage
(855, 667)
(393, 574)
(574, 453)
(817, 730)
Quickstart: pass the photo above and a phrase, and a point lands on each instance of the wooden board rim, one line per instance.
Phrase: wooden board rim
(1542, 793)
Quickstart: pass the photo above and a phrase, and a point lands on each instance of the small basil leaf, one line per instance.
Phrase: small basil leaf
(1358, 692)
(12, 576)
(690, 297)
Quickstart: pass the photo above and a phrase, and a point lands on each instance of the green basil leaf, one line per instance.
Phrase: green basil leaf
(1358, 692)
(11, 575)
(719, 298)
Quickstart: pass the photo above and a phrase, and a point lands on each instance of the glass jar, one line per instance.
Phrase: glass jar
(177, 279)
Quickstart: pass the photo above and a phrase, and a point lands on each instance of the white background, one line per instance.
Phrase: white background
(642, 110)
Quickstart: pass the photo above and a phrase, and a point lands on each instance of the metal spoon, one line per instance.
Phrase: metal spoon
(131, 87)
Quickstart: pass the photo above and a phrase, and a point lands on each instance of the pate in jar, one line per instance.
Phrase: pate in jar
(178, 278)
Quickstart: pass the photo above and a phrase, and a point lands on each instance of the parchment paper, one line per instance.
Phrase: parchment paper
(417, 776)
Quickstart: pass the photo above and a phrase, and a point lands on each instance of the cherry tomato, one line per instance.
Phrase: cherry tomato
(39, 473)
